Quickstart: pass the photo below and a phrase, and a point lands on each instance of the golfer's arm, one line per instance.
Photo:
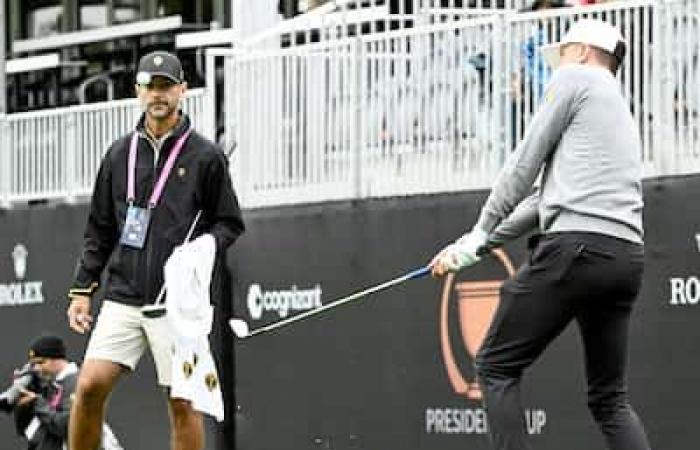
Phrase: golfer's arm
(541, 139)
(524, 219)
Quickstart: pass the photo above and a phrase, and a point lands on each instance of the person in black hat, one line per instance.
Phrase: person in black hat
(42, 412)
(154, 185)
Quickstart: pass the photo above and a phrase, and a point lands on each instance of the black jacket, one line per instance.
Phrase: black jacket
(199, 180)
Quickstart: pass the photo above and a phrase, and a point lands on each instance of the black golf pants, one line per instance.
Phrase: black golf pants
(587, 277)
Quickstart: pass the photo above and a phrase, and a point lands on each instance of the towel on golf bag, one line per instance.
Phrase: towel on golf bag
(189, 313)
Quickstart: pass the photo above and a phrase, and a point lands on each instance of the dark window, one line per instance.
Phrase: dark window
(98, 13)
(93, 14)
(126, 11)
(43, 18)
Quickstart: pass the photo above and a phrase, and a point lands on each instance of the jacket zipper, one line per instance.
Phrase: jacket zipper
(149, 246)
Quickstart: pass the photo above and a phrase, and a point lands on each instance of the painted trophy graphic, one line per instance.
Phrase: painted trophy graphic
(476, 305)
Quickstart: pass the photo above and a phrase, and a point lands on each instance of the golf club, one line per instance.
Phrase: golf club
(241, 329)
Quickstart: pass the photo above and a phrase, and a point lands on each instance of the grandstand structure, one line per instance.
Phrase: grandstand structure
(349, 99)
(66, 52)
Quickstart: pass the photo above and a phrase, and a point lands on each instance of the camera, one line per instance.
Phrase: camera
(26, 378)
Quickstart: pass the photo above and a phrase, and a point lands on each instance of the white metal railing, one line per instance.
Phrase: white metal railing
(677, 85)
(55, 153)
(428, 109)
(333, 19)
(437, 107)
(528, 72)
(403, 112)
(432, 108)
(278, 107)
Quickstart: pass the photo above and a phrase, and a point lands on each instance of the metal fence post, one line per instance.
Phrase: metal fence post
(210, 104)
(358, 143)
(5, 169)
(3, 58)
(235, 101)
(71, 158)
(500, 41)
(663, 141)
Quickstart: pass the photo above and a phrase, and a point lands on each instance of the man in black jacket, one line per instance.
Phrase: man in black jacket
(151, 185)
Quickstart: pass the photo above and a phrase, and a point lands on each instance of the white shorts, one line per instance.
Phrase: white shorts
(122, 334)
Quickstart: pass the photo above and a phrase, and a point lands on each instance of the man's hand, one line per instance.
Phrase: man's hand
(462, 253)
(26, 397)
(79, 316)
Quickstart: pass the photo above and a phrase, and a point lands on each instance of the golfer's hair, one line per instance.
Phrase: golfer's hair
(610, 60)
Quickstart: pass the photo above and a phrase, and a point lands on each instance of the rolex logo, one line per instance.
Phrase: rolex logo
(20, 291)
(19, 259)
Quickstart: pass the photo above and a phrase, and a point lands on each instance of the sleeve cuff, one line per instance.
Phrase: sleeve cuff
(83, 291)
(487, 223)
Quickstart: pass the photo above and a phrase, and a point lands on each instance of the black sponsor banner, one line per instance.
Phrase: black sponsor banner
(38, 251)
(395, 370)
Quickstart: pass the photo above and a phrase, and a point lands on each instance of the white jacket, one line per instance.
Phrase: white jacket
(189, 313)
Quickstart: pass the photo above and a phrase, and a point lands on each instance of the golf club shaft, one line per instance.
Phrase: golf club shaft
(387, 284)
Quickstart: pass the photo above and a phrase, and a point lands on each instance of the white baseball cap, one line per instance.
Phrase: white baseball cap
(591, 32)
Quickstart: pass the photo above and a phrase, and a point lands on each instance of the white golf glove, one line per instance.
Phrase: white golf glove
(464, 252)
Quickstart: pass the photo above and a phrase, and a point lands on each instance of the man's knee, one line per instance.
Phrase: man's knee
(481, 365)
(182, 410)
(488, 368)
(485, 367)
(91, 390)
(96, 381)
(606, 406)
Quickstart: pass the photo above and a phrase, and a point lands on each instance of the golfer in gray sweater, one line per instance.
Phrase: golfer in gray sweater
(583, 147)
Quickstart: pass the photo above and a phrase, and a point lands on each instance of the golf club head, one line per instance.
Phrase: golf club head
(239, 327)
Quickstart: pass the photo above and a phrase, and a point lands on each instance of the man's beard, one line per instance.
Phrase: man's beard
(160, 110)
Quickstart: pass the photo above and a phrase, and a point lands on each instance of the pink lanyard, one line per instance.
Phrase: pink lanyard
(56, 398)
(164, 174)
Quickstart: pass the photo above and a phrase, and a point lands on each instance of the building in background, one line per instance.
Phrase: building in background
(65, 52)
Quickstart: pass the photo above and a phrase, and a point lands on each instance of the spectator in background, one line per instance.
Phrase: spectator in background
(42, 412)
(534, 68)
(529, 82)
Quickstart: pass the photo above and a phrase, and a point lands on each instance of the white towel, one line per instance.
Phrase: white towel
(189, 312)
